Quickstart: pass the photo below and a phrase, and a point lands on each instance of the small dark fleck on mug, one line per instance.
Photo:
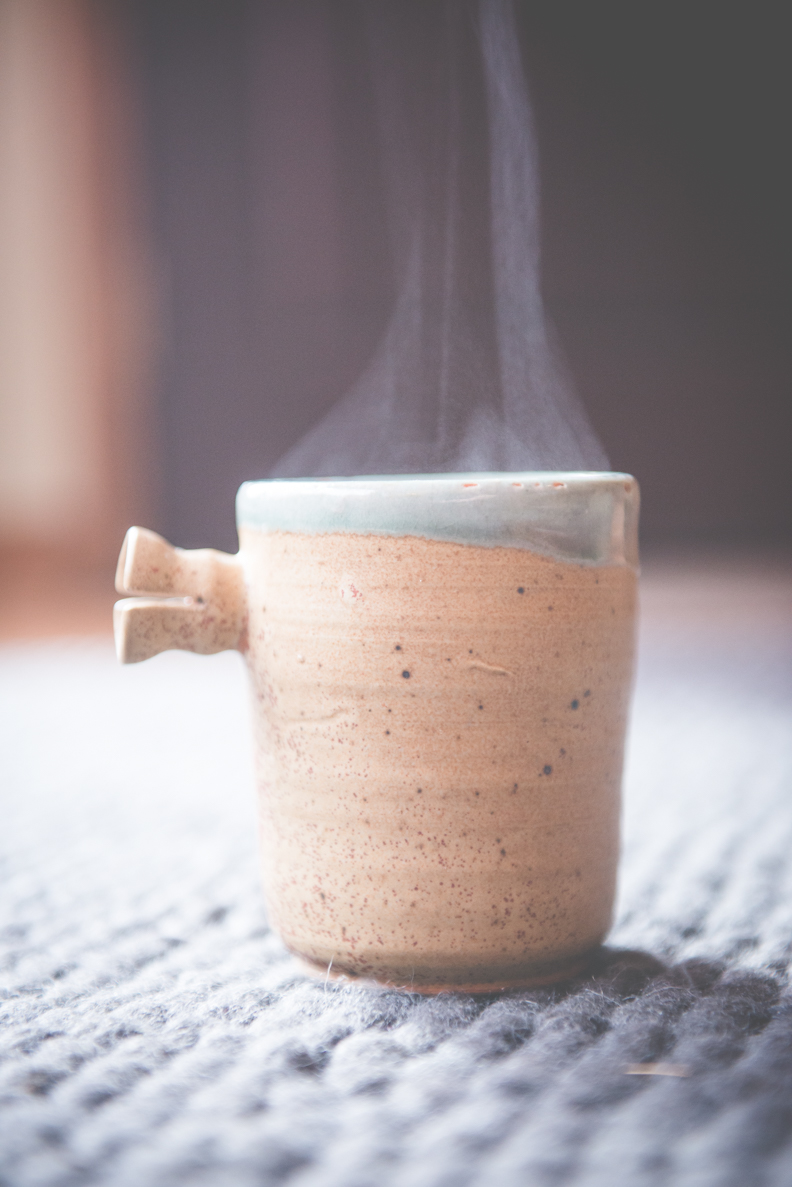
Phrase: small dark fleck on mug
(520, 589)
(406, 674)
(547, 769)
(398, 646)
(575, 705)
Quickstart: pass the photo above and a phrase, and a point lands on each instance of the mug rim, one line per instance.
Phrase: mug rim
(539, 477)
(588, 516)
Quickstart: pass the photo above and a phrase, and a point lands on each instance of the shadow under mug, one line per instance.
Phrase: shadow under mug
(441, 669)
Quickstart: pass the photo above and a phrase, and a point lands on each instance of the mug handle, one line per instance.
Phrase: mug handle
(194, 600)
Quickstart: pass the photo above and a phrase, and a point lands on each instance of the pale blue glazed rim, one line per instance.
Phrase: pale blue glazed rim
(589, 517)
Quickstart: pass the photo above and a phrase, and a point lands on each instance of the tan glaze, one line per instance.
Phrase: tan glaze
(439, 743)
(197, 600)
(440, 731)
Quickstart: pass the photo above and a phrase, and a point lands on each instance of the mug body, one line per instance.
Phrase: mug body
(441, 669)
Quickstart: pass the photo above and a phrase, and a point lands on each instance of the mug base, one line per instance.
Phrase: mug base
(561, 972)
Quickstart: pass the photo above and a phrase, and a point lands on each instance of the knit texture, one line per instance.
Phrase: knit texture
(153, 1031)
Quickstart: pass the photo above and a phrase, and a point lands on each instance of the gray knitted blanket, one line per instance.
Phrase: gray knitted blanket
(153, 1032)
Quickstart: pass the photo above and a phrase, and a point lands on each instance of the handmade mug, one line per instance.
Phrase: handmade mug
(441, 669)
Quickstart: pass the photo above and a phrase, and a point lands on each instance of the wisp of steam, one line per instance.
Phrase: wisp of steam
(468, 375)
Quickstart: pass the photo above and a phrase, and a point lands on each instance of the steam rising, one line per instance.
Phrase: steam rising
(467, 375)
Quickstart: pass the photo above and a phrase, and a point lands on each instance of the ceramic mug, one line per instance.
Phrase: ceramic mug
(441, 669)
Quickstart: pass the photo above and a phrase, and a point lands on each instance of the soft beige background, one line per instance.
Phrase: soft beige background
(73, 313)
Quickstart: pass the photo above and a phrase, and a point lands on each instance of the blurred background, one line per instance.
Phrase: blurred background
(193, 264)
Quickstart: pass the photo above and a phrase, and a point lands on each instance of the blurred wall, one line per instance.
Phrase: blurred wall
(666, 193)
(270, 233)
(73, 338)
(667, 189)
(259, 279)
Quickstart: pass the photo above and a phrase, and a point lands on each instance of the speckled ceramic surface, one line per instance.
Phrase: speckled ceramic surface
(439, 721)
